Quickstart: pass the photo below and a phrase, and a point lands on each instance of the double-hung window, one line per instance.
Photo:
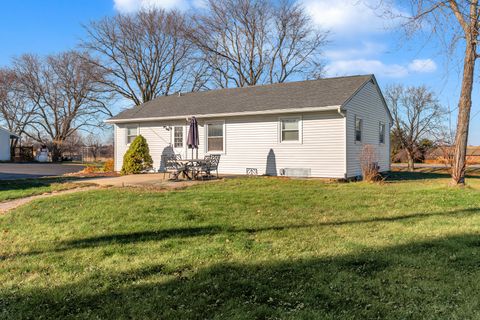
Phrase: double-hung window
(215, 137)
(358, 129)
(132, 133)
(381, 132)
(290, 129)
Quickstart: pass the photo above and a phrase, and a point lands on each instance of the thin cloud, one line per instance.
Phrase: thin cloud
(377, 67)
(365, 49)
(366, 66)
(423, 65)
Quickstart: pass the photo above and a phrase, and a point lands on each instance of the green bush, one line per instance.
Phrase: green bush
(137, 158)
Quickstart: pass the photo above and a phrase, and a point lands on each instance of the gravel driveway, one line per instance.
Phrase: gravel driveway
(12, 171)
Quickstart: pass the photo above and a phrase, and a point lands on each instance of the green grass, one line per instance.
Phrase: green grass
(247, 248)
(14, 189)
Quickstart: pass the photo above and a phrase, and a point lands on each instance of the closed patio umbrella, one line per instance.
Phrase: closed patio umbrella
(193, 140)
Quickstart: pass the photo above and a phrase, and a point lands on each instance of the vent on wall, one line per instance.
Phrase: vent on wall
(296, 172)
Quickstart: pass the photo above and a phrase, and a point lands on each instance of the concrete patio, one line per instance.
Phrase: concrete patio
(154, 180)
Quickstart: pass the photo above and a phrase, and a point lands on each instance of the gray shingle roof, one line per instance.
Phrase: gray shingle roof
(292, 95)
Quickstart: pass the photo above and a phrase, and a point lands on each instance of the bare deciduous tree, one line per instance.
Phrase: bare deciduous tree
(94, 145)
(416, 115)
(144, 54)
(250, 42)
(453, 21)
(68, 95)
(16, 110)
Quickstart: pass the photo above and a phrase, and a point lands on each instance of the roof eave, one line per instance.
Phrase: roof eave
(228, 114)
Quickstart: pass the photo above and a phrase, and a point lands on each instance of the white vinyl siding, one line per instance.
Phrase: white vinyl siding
(367, 104)
(254, 142)
(4, 145)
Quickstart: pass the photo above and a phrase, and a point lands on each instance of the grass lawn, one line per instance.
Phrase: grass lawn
(247, 248)
(14, 189)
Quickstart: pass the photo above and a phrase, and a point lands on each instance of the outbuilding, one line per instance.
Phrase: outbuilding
(313, 128)
(5, 140)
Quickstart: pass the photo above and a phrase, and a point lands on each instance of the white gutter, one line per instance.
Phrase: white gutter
(337, 108)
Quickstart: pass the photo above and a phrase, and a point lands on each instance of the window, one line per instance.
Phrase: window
(132, 133)
(215, 137)
(290, 129)
(178, 137)
(381, 132)
(358, 129)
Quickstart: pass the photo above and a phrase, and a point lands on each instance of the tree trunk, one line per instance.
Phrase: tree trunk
(13, 147)
(463, 121)
(56, 151)
(411, 163)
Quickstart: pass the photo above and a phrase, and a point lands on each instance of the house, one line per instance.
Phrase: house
(313, 128)
(5, 138)
(444, 155)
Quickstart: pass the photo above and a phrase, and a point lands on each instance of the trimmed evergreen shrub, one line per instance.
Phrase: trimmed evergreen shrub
(137, 158)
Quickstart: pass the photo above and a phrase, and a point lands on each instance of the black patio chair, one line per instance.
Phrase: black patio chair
(211, 164)
(171, 165)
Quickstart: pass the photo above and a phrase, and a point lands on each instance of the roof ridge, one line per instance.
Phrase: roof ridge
(267, 85)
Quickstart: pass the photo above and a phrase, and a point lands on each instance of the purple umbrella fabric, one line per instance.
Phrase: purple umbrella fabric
(193, 140)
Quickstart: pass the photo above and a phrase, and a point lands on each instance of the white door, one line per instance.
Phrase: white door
(179, 138)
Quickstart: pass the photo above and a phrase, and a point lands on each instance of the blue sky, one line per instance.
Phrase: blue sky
(360, 40)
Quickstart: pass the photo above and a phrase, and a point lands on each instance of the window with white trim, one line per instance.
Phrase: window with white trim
(215, 137)
(132, 133)
(178, 137)
(290, 129)
(381, 132)
(358, 129)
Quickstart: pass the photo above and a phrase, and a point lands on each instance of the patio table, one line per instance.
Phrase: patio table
(190, 166)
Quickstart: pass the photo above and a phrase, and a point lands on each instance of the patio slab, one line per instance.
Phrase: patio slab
(156, 180)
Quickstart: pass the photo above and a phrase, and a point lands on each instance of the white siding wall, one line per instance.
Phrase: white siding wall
(367, 105)
(253, 142)
(4, 146)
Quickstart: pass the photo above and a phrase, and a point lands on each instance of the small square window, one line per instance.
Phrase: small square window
(381, 133)
(132, 133)
(358, 129)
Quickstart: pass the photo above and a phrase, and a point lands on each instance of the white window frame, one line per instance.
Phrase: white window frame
(380, 131)
(355, 129)
(131, 126)
(300, 129)
(183, 137)
(206, 124)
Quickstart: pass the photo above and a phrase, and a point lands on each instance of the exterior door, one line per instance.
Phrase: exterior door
(179, 140)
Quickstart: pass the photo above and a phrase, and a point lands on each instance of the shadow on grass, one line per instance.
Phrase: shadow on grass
(435, 279)
(424, 175)
(179, 233)
(23, 184)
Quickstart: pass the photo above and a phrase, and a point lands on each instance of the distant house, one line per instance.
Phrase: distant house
(5, 138)
(444, 155)
(311, 128)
